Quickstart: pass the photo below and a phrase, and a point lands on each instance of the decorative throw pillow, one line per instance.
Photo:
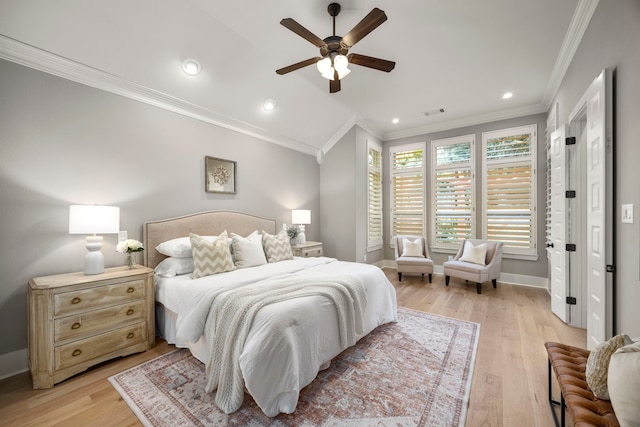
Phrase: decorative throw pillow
(598, 364)
(474, 254)
(210, 257)
(171, 266)
(248, 251)
(624, 384)
(277, 247)
(412, 249)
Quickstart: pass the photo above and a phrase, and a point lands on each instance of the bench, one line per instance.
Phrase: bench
(569, 364)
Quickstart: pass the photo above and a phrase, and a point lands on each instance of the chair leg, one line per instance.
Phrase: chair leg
(429, 277)
(446, 280)
(479, 288)
(399, 277)
(423, 275)
(495, 283)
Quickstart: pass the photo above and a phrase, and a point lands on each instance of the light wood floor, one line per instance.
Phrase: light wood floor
(509, 382)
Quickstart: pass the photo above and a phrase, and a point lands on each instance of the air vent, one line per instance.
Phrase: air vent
(434, 112)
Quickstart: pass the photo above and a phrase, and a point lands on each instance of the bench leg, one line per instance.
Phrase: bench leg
(553, 403)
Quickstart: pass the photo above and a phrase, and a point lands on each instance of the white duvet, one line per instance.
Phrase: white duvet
(289, 341)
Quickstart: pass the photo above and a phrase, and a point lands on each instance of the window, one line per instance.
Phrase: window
(374, 198)
(509, 186)
(452, 202)
(407, 190)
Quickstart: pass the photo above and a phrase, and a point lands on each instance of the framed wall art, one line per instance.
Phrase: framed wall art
(219, 175)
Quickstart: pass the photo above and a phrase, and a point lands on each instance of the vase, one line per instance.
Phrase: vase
(129, 260)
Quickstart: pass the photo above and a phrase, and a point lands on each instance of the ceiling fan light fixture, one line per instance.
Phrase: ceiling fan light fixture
(340, 63)
(343, 73)
(324, 65)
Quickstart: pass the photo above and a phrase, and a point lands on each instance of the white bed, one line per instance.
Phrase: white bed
(289, 341)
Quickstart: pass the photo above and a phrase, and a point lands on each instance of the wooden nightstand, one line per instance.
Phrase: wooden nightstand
(307, 249)
(77, 321)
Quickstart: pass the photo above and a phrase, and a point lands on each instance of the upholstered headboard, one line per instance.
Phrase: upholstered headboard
(210, 223)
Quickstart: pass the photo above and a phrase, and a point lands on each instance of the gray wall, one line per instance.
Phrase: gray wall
(530, 268)
(611, 40)
(63, 143)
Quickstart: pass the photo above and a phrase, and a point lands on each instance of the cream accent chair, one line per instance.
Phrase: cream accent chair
(412, 264)
(475, 272)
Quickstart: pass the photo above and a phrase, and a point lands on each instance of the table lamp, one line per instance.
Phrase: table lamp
(301, 217)
(94, 219)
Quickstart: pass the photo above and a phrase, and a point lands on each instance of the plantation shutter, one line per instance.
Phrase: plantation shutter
(453, 182)
(408, 193)
(374, 227)
(510, 190)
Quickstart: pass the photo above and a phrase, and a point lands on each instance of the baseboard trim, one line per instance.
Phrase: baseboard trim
(14, 363)
(510, 278)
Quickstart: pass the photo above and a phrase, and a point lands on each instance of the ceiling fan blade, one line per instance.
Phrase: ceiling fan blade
(371, 62)
(298, 65)
(334, 85)
(291, 24)
(364, 27)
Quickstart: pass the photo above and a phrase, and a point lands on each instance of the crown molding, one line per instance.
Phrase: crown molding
(467, 121)
(346, 127)
(41, 60)
(579, 23)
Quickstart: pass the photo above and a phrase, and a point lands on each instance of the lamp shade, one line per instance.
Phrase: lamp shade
(94, 219)
(300, 216)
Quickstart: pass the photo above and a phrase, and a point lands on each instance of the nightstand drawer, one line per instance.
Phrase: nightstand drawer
(92, 322)
(72, 302)
(311, 252)
(90, 348)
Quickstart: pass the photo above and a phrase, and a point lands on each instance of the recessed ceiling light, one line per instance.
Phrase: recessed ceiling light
(395, 121)
(269, 104)
(191, 67)
(507, 95)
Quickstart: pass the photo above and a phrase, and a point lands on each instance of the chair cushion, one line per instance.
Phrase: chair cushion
(414, 261)
(465, 266)
(474, 254)
(412, 249)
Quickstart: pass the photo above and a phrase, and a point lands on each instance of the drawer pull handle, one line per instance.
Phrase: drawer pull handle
(76, 352)
(130, 290)
(130, 335)
(130, 312)
(75, 300)
(76, 325)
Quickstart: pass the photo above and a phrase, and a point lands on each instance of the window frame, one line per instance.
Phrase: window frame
(530, 253)
(400, 172)
(375, 243)
(470, 165)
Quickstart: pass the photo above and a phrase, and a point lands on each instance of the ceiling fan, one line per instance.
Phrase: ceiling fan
(334, 60)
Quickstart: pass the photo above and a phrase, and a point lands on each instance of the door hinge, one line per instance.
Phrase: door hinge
(611, 268)
(571, 247)
(572, 300)
(570, 140)
(570, 194)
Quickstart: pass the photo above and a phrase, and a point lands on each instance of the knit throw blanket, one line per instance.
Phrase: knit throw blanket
(232, 314)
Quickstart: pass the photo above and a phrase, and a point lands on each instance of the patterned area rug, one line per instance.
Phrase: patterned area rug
(416, 372)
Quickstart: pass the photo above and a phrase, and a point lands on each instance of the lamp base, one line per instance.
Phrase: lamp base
(301, 239)
(94, 261)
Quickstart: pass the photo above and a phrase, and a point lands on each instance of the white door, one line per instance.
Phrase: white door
(558, 255)
(599, 172)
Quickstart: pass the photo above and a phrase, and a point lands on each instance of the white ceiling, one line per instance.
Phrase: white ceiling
(460, 55)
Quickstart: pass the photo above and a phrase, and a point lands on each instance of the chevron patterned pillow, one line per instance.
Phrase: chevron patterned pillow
(210, 257)
(277, 247)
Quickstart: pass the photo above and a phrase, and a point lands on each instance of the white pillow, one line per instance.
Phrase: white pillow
(179, 247)
(248, 251)
(597, 370)
(624, 384)
(171, 267)
(474, 254)
(412, 249)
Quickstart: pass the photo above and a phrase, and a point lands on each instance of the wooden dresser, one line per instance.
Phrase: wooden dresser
(308, 249)
(77, 321)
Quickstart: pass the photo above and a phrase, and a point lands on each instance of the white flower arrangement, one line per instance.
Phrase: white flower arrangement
(129, 245)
